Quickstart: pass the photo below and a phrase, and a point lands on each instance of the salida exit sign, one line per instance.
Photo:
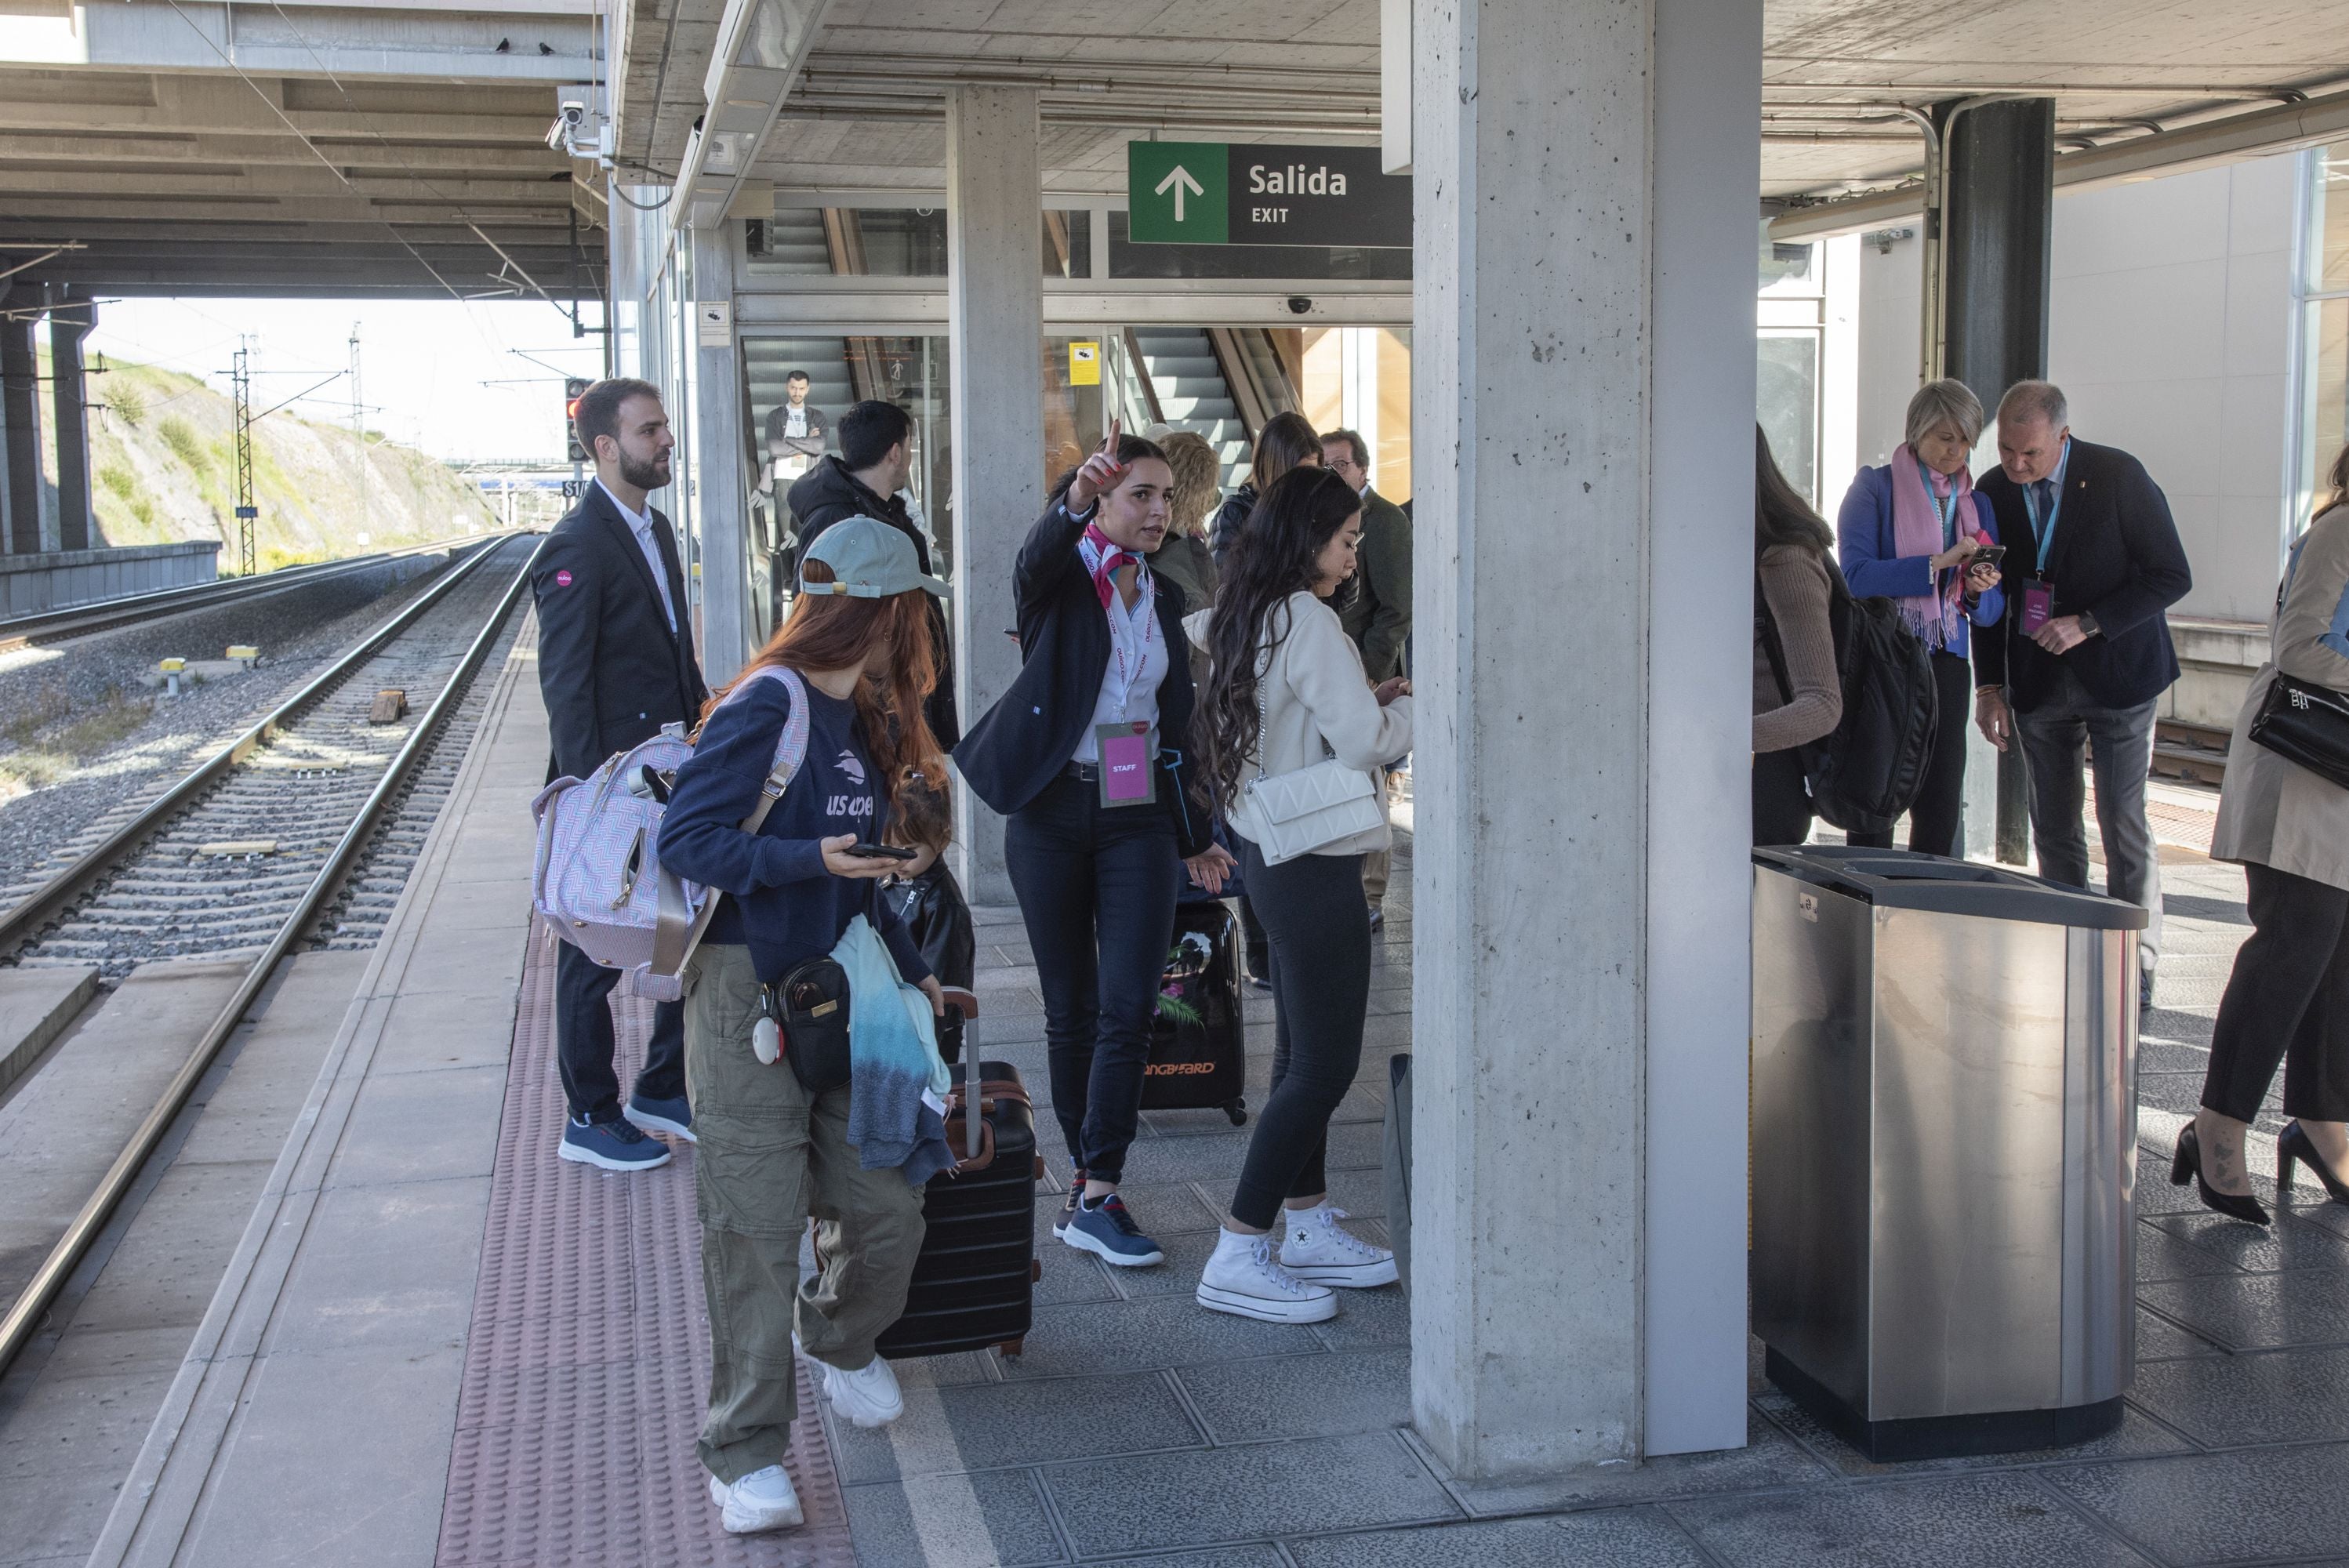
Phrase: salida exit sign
(1229, 194)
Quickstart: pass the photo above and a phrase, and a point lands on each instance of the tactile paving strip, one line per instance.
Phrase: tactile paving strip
(589, 1357)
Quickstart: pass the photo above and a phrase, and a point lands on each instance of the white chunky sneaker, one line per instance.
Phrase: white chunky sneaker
(1242, 1279)
(764, 1499)
(1313, 1247)
(869, 1395)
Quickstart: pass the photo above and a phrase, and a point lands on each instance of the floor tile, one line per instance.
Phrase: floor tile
(1614, 1538)
(1319, 1394)
(990, 1426)
(1770, 1458)
(2223, 1508)
(1166, 1331)
(2135, 1435)
(2259, 1312)
(1991, 1522)
(2291, 1243)
(2227, 1401)
(996, 1517)
(1242, 1493)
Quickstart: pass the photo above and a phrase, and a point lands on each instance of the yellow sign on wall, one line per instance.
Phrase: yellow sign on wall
(1084, 364)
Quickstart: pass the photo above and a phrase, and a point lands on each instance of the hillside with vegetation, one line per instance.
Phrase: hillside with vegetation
(163, 469)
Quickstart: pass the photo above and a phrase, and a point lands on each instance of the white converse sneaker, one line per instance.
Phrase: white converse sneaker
(764, 1499)
(868, 1396)
(1313, 1247)
(1242, 1279)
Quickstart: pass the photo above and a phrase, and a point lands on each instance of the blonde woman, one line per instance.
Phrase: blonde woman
(1184, 558)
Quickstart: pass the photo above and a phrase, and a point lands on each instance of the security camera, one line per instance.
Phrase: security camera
(575, 113)
(571, 119)
(1298, 304)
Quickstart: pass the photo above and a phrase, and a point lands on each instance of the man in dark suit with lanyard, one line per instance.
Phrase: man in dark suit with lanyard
(615, 663)
(2083, 654)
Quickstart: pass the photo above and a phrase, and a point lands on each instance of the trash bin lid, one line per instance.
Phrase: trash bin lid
(1897, 879)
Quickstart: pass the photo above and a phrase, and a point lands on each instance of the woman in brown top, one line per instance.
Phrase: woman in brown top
(1793, 554)
(1183, 558)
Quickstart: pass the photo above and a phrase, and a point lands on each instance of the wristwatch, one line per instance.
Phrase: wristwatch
(2089, 627)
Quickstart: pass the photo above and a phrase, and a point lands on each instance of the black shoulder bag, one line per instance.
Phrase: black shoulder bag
(2308, 725)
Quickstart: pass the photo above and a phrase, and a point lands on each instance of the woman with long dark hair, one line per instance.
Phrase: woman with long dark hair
(2287, 825)
(1085, 755)
(1286, 442)
(1286, 693)
(1797, 694)
(856, 651)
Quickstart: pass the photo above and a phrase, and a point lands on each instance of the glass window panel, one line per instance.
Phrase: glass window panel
(1786, 397)
(850, 241)
(2331, 210)
(1068, 243)
(1306, 263)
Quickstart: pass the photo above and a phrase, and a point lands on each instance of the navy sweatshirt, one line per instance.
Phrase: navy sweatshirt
(785, 905)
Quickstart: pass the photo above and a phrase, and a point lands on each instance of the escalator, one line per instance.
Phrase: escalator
(1221, 383)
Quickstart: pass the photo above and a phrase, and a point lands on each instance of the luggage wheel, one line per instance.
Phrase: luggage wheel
(1010, 1349)
(1238, 1111)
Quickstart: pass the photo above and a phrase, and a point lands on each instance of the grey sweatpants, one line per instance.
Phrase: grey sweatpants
(767, 1159)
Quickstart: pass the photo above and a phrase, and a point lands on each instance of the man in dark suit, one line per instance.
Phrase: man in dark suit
(867, 478)
(1375, 609)
(615, 663)
(2092, 563)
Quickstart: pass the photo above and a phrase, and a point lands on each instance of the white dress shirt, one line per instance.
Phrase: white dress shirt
(642, 525)
(1137, 665)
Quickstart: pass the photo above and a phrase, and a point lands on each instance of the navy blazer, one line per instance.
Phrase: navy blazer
(609, 668)
(1022, 743)
(2115, 555)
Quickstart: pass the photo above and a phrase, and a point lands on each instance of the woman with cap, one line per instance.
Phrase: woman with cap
(1086, 755)
(857, 650)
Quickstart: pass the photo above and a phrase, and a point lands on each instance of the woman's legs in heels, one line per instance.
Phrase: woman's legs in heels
(2316, 1066)
(2286, 975)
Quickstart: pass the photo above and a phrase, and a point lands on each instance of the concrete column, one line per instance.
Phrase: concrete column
(69, 324)
(1585, 174)
(20, 431)
(1998, 225)
(720, 504)
(995, 331)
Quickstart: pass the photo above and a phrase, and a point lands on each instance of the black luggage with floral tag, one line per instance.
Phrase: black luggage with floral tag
(1198, 1041)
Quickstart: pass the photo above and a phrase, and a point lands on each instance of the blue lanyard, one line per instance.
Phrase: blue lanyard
(2046, 530)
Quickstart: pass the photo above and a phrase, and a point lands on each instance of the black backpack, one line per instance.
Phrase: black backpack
(1872, 767)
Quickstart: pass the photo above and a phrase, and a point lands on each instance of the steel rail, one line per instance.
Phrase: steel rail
(106, 614)
(25, 921)
(32, 1304)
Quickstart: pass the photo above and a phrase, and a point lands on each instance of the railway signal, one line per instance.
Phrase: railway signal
(573, 389)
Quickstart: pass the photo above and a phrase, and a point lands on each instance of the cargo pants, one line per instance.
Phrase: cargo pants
(767, 1158)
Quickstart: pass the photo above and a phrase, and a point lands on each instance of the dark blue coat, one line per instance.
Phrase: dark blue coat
(608, 668)
(1023, 742)
(2116, 556)
(1873, 566)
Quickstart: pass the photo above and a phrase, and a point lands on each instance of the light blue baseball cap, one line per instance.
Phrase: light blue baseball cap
(869, 560)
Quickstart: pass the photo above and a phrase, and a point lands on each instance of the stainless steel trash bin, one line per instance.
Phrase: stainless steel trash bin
(1944, 1150)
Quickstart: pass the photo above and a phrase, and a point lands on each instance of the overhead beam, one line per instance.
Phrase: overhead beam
(239, 148)
(347, 45)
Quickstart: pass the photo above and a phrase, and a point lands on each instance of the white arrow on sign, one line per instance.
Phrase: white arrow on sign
(1179, 179)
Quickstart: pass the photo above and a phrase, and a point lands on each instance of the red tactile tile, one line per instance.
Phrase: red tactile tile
(589, 1356)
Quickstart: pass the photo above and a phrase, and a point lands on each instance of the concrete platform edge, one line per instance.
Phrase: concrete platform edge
(166, 1488)
(17, 1054)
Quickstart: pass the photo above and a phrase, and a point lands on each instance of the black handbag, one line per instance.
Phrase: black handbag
(810, 1004)
(2308, 725)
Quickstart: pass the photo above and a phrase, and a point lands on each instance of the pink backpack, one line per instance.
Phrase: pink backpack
(599, 881)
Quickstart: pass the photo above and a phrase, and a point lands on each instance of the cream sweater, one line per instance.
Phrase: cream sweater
(1317, 702)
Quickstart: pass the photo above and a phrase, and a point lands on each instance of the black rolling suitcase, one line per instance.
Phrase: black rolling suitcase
(1198, 1041)
(974, 1282)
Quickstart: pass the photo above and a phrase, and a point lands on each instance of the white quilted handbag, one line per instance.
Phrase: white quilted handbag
(1297, 813)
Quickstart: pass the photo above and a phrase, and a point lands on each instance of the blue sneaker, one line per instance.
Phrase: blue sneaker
(610, 1146)
(674, 1117)
(1108, 1231)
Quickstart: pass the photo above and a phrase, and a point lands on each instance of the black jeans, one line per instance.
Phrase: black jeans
(584, 1043)
(1096, 887)
(1781, 801)
(1938, 815)
(1318, 926)
(2288, 1000)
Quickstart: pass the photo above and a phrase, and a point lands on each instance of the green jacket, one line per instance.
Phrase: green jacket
(1377, 616)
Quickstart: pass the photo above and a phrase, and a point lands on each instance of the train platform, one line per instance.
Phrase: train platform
(435, 1344)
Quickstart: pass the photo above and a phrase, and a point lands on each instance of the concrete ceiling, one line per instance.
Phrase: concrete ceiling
(866, 111)
(365, 147)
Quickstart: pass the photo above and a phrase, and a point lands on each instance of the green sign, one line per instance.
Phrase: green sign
(1178, 192)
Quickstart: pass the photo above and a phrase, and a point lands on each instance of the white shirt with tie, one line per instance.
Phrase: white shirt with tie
(642, 525)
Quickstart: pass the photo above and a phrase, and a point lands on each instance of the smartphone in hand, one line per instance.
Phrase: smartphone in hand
(882, 852)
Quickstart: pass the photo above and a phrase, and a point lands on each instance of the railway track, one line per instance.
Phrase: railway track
(106, 614)
(296, 835)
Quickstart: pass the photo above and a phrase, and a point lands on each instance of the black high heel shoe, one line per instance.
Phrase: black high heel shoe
(2188, 1160)
(2295, 1144)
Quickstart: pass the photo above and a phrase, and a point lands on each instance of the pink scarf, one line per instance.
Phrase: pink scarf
(1103, 558)
(1916, 530)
